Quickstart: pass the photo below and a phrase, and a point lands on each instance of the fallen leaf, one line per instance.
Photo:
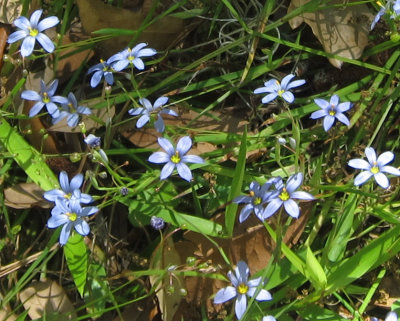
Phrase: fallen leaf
(342, 31)
(47, 299)
(6, 314)
(11, 9)
(96, 15)
(25, 195)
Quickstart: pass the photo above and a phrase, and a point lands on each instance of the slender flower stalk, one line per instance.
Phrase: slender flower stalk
(375, 167)
(46, 98)
(32, 30)
(175, 158)
(286, 196)
(242, 287)
(276, 89)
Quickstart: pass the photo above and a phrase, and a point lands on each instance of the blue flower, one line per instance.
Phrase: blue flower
(69, 190)
(268, 318)
(331, 110)
(391, 316)
(175, 158)
(70, 215)
(45, 98)
(94, 142)
(374, 167)
(131, 57)
(275, 89)
(157, 223)
(242, 287)
(286, 197)
(71, 110)
(102, 69)
(32, 30)
(395, 12)
(259, 196)
(148, 109)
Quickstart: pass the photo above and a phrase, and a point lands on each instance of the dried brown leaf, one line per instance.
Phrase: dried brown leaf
(342, 31)
(25, 195)
(47, 298)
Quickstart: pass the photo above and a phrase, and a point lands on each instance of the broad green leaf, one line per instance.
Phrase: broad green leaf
(77, 256)
(315, 270)
(27, 157)
(97, 290)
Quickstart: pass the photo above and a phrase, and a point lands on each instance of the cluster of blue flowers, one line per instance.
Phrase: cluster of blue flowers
(68, 211)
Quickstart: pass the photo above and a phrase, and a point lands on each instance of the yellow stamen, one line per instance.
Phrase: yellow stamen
(280, 92)
(284, 196)
(257, 200)
(46, 98)
(176, 158)
(242, 288)
(33, 32)
(72, 216)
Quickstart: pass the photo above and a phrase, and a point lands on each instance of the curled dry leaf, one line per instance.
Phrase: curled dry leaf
(342, 31)
(25, 195)
(47, 298)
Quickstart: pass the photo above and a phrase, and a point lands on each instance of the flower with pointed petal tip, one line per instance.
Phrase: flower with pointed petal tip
(131, 57)
(69, 190)
(148, 109)
(102, 69)
(32, 30)
(70, 215)
(175, 158)
(275, 89)
(374, 167)
(242, 287)
(286, 197)
(45, 98)
(331, 110)
(259, 196)
(71, 111)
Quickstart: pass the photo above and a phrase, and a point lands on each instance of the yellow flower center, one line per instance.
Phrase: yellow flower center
(242, 288)
(68, 196)
(46, 98)
(332, 112)
(280, 92)
(257, 200)
(176, 158)
(284, 196)
(72, 216)
(130, 58)
(33, 32)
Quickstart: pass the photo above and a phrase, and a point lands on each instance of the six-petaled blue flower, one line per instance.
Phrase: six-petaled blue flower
(71, 111)
(259, 196)
(242, 287)
(331, 110)
(131, 57)
(45, 98)
(276, 89)
(375, 167)
(69, 190)
(286, 196)
(102, 69)
(70, 215)
(148, 109)
(175, 158)
(32, 30)
(385, 8)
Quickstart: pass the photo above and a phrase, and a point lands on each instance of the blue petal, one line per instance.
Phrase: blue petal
(322, 103)
(159, 158)
(64, 182)
(47, 23)
(109, 77)
(138, 47)
(27, 46)
(184, 144)
(382, 180)
(65, 233)
(86, 198)
(288, 96)
(291, 208)
(17, 35)
(362, 178)
(76, 182)
(272, 207)
(319, 113)
(82, 228)
(286, 80)
(45, 41)
(36, 108)
(148, 52)
(159, 124)
(53, 194)
(142, 121)
(300, 195)
(57, 220)
(342, 118)
(184, 171)
(120, 65)
(240, 306)
(371, 155)
(245, 212)
(359, 163)
(160, 102)
(225, 294)
(294, 84)
(136, 111)
(328, 122)
(269, 98)
(334, 100)
(294, 182)
(73, 120)
(34, 20)
(242, 272)
(138, 63)
(385, 158)
(390, 170)
(96, 78)
(167, 170)
(31, 95)
(146, 103)
(22, 23)
(166, 145)
(344, 107)
(192, 159)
